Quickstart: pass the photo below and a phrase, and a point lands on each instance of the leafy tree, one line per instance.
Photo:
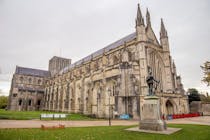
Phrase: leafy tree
(193, 95)
(3, 102)
(205, 98)
(206, 71)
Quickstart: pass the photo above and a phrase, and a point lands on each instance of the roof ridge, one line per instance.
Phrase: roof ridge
(100, 51)
(31, 71)
(31, 68)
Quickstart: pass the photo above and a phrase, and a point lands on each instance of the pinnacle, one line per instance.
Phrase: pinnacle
(139, 19)
(163, 32)
(148, 18)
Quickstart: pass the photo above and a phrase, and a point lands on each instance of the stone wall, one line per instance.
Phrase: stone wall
(195, 106)
(199, 106)
(206, 108)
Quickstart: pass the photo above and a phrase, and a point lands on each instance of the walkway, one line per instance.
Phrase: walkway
(204, 120)
(37, 123)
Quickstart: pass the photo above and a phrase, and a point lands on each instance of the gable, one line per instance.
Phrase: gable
(151, 36)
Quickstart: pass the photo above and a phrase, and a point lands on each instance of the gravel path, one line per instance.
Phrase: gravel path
(37, 123)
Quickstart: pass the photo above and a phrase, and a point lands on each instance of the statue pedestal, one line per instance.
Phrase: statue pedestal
(151, 115)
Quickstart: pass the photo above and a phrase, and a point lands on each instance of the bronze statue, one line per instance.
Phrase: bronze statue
(150, 82)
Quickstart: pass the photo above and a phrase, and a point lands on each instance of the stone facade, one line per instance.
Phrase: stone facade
(112, 80)
(27, 89)
(56, 64)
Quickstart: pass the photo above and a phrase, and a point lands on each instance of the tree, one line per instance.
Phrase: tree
(3, 102)
(205, 98)
(193, 95)
(206, 71)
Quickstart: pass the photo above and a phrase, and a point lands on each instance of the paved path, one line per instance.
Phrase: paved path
(37, 123)
(204, 120)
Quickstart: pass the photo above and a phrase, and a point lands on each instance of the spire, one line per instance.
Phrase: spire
(174, 66)
(148, 18)
(139, 18)
(163, 32)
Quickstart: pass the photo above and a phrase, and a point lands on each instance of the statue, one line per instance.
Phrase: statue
(150, 82)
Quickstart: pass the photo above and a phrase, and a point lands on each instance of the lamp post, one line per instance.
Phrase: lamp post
(116, 101)
(109, 92)
(98, 103)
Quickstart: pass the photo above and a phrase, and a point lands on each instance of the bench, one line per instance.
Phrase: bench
(53, 116)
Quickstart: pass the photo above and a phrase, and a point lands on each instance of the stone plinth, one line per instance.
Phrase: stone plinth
(151, 115)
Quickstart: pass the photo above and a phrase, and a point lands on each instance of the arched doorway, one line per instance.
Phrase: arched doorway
(169, 108)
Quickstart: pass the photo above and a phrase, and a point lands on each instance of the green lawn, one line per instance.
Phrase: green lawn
(189, 132)
(28, 115)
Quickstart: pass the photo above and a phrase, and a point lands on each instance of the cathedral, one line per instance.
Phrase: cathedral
(108, 82)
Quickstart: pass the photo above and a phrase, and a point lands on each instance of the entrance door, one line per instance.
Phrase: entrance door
(169, 108)
(130, 107)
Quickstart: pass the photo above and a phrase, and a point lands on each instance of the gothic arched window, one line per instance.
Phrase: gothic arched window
(29, 102)
(29, 80)
(87, 68)
(20, 102)
(96, 65)
(115, 60)
(21, 79)
(39, 81)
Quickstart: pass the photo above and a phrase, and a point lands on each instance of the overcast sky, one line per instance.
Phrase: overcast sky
(33, 31)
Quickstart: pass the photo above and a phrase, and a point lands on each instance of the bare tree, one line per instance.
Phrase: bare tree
(206, 71)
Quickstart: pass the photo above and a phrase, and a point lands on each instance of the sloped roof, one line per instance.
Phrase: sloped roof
(31, 72)
(114, 45)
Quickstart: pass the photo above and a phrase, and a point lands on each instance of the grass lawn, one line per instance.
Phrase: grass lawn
(28, 115)
(189, 132)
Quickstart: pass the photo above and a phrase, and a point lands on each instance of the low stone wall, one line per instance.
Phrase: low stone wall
(195, 106)
(206, 109)
(198, 106)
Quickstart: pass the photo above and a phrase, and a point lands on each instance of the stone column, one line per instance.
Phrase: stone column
(69, 99)
(143, 68)
(134, 107)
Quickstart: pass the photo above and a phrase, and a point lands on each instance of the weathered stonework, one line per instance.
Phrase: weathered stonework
(151, 117)
(201, 107)
(115, 76)
(27, 89)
